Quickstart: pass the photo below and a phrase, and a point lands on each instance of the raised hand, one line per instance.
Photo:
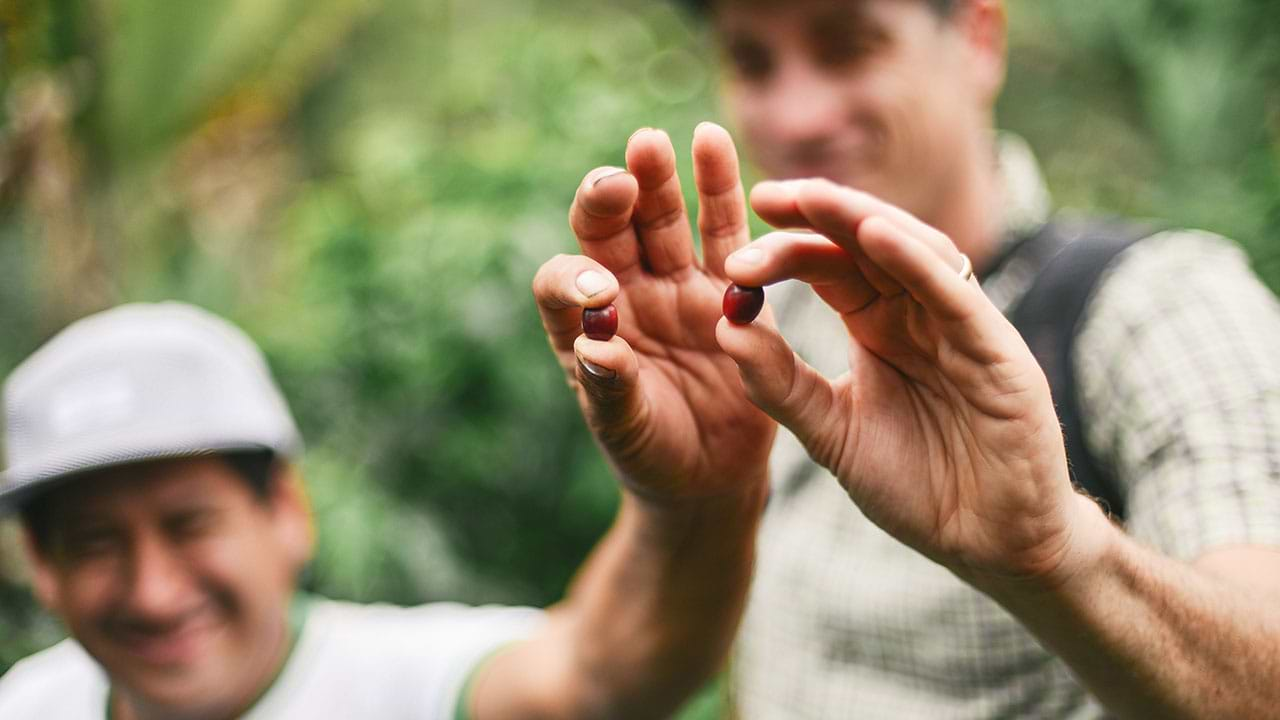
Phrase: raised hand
(943, 431)
(662, 399)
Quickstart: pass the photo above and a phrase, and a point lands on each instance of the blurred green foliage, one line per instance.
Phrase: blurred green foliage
(367, 187)
(1158, 108)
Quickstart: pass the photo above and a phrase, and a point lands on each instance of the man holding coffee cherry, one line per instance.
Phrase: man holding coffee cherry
(973, 575)
(156, 471)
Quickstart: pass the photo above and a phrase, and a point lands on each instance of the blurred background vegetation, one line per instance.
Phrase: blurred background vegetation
(368, 186)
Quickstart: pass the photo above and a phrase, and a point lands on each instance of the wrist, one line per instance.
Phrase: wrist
(1091, 544)
(677, 496)
(724, 519)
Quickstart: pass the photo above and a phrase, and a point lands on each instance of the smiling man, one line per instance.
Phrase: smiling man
(153, 463)
(928, 550)
(892, 97)
(171, 574)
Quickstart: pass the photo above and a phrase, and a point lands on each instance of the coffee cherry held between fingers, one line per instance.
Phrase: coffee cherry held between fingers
(743, 304)
(600, 323)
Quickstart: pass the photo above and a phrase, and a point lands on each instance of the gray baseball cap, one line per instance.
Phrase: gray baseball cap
(138, 382)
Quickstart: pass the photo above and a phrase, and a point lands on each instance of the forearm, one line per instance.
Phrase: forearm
(650, 617)
(1154, 637)
(658, 607)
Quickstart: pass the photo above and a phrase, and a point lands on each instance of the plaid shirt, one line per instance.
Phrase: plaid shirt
(1180, 393)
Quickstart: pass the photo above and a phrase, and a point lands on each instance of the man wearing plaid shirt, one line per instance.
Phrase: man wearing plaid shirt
(966, 579)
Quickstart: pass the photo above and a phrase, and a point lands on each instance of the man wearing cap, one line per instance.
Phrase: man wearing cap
(153, 463)
(965, 579)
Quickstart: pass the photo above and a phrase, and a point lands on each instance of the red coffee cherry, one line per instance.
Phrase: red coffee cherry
(600, 323)
(743, 304)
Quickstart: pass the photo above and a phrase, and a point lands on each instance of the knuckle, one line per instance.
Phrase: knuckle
(876, 225)
(671, 217)
(825, 185)
(721, 229)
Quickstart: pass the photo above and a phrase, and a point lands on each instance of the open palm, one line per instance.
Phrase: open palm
(662, 399)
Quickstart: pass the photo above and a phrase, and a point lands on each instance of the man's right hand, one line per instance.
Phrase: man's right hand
(665, 403)
(652, 613)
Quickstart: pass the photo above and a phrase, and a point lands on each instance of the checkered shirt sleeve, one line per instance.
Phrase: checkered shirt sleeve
(1180, 385)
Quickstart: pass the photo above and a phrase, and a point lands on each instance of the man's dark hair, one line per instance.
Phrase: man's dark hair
(943, 8)
(257, 468)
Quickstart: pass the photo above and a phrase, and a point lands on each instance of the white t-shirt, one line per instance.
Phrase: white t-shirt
(350, 661)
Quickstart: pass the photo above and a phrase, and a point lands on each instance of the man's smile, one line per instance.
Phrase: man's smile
(177, 643)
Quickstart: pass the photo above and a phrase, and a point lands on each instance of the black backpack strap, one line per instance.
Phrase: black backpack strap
(1072, 257)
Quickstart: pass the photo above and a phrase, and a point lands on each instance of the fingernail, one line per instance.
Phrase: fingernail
(704, 124)
(634, 134)
(591, 283)
(605, 175)
(603, 373)
(749, 256)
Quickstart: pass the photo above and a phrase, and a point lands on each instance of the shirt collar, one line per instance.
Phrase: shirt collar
(1026, 196)
(1027, 207)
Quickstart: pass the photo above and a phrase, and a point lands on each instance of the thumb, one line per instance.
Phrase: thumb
(783, 385)
(608, 375)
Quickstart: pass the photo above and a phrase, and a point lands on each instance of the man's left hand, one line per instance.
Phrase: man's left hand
(943, 431)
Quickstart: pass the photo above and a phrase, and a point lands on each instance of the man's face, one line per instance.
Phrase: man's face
(176, 578)
(874, 94)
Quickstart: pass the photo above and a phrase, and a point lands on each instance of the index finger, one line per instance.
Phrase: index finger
(601, 216)
(837, 211)
(809, 258)
(920, 258)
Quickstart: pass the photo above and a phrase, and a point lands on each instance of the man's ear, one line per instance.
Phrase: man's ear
(44, 580)
(295, 524)
(984, 25)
